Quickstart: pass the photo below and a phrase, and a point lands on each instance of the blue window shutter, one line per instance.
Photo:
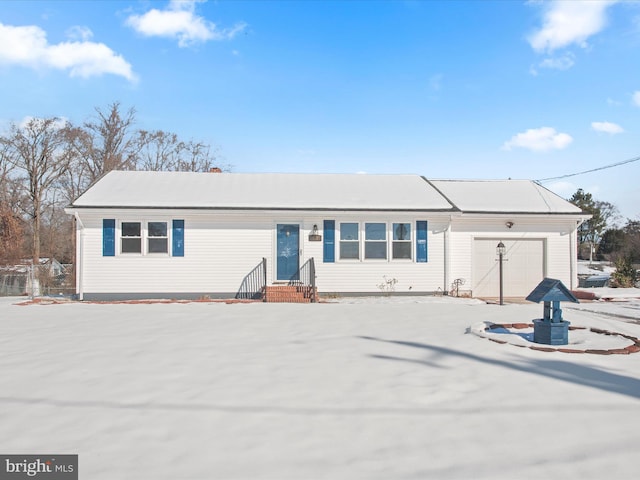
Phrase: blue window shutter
(177, 236)
(108, 237)
(421, 241)
(329, 246)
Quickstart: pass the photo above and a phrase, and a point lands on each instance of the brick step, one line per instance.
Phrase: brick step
(288, 294)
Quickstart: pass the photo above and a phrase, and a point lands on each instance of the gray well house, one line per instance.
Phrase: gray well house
(189, 235)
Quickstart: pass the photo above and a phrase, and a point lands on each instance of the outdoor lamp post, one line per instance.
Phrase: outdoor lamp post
(501, 250)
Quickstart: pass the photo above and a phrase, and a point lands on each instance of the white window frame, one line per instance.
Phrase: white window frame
(145, 237)
(388, 240)
(358, 241)
(122, 237)
(385, 241)
(149, 237)
(409, 242)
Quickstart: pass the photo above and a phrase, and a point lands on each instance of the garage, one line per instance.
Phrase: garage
(523, 267)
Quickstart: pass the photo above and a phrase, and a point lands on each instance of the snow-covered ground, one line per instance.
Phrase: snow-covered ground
(359, 388)
(623, 303)
(595, 268)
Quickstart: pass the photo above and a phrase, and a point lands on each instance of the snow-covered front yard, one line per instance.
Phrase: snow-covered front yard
(377, 389)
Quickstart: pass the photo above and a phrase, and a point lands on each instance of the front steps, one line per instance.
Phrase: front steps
(289, 294)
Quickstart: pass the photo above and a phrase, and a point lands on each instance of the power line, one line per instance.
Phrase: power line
(624, 162)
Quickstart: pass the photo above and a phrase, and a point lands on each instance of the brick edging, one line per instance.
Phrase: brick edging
(633, 348)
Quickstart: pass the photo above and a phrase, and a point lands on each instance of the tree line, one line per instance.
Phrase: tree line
(602, 237)
(46, 163)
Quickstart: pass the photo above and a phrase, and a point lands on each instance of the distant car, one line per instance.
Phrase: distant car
(601, 280)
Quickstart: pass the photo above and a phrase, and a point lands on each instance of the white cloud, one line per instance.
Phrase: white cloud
(79, 33)
(607, 127)
(28, 46)
(636, 98)
(179, 21)
(539, 140)
(569, 22)
(564, 62)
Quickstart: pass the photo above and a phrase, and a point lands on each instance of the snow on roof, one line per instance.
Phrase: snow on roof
(262, 190)
(503, 196)
(291, 191)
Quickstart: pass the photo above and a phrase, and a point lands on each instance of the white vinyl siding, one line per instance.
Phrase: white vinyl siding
(365, 276)
(220, 251)
(221, 248)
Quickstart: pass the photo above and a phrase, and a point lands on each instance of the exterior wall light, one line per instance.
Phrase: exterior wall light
(509, 224)
(314, 236)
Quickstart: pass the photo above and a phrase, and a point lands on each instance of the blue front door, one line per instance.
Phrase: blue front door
(288, 251)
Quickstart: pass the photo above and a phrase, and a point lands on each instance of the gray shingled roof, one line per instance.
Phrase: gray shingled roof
(120, 189)
(263, 191)
(503, 196)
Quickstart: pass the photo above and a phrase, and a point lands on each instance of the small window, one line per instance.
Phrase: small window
(131, 241)
(158, 241)
(375, 240)
(401, 240)
(349, 241)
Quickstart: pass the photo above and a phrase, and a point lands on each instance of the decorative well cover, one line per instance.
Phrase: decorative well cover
(551, 290)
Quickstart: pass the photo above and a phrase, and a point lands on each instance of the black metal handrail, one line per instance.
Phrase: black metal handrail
(253, 284)
(306, 277)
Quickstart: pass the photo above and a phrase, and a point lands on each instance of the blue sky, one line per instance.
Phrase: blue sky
(475, 89)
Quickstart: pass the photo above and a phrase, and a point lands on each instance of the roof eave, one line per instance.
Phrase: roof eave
(522, 212)
(74, 208)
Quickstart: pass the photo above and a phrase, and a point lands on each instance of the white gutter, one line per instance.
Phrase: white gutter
(447, 262)
(79, 256)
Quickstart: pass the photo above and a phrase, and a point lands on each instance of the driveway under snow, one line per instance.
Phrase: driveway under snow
(369, 389)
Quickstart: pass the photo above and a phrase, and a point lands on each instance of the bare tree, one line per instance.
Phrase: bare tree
(199, 157)
(104, 143)
(5, 170)
(11, 224)
(164, 151)
(39, 150)
(77, 177)
(158, 150)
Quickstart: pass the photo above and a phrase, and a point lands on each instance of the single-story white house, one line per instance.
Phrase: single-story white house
(190, 235)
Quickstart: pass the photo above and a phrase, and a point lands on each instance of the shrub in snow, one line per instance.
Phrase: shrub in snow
(625, 275)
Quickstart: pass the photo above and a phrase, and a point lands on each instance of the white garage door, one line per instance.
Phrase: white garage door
(523, 267)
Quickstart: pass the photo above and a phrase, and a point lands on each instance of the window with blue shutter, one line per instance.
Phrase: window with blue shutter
(421, 241)
(108, 237)
(177, 237)
(329, 245)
